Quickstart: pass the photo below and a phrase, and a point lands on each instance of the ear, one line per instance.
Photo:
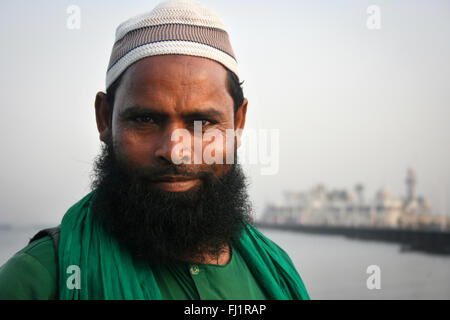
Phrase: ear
(240, 121)
(102, 115)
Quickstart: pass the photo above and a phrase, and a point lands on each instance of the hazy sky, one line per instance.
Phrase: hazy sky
(352, 104)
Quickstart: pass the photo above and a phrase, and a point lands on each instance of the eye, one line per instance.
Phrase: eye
(143, 119)
(205, 122)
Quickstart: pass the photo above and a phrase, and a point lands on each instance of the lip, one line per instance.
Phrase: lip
(176, 183)
(173, 178)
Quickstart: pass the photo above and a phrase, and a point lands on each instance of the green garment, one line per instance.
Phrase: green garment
(93, 265)
(30, 273)
(192, 281)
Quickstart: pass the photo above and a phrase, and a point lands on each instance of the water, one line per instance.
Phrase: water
(333, 267)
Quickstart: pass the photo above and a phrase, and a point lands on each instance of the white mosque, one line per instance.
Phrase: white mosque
(319, 206)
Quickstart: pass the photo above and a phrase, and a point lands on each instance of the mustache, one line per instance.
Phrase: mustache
(109, 166)
(161, 172)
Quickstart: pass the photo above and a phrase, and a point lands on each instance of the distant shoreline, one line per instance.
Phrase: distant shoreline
(430, 241)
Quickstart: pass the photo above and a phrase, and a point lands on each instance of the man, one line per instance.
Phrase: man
(163, 221)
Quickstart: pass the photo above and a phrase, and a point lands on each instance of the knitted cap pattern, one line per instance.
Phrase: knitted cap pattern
(173, 27)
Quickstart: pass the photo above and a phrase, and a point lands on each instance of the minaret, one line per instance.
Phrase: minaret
(411, 184)
(359, 189)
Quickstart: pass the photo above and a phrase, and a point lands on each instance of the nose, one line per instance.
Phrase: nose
(174, 145)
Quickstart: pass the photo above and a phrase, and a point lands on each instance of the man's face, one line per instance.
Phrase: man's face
(164, 211)
(161, 94)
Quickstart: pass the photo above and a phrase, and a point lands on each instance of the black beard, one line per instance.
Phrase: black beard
(166, 227)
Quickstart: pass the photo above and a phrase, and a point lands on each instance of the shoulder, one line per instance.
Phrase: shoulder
(31, 273)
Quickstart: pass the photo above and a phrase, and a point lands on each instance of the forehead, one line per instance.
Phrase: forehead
(174, 83)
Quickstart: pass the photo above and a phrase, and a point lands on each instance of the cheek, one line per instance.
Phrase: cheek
(218, 147)
(133, 149)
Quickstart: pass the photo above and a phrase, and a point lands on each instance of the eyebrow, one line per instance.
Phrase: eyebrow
(141, 111)
(149, 111)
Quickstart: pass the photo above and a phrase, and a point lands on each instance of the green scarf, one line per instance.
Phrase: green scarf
(94, 265)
